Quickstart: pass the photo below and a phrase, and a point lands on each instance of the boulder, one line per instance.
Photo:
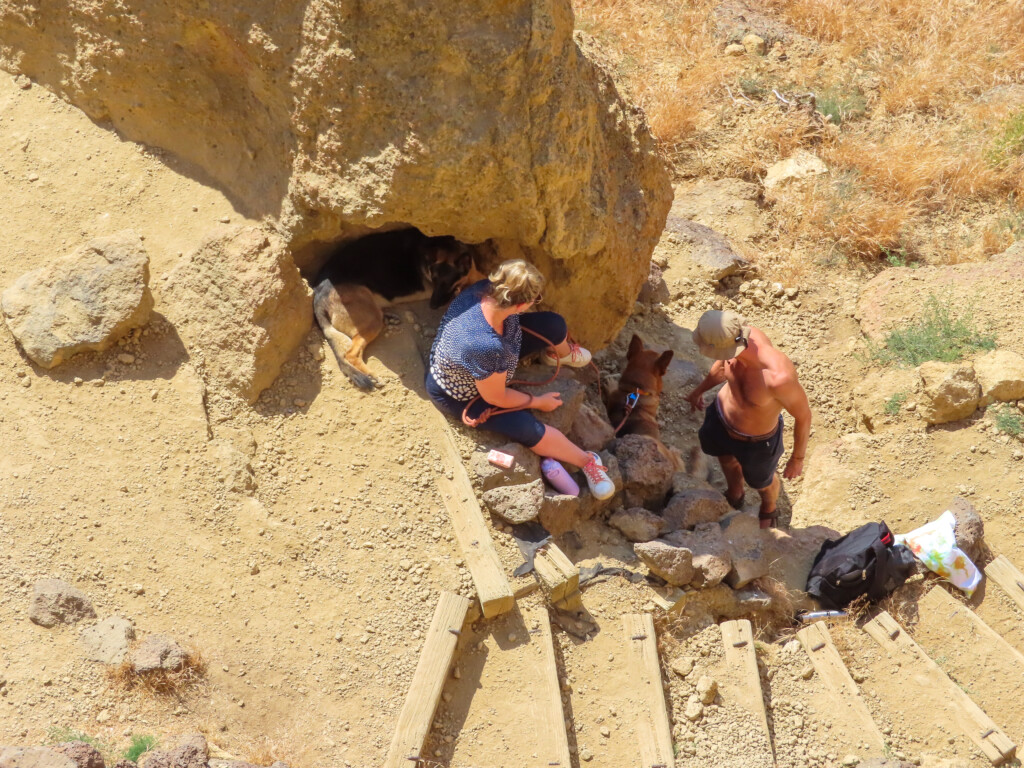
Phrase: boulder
(559, 513)
(754, 44)
(798, 166)
(672, 563)
(572, 392)
(85, 301)
(107, 642)
(84, 755)
(1000, 374)
(873, 396)
(34, 757)
(191, 752)
(57, 602)
(637, 524)
(950, 391)
(790, 555)
(158, 652)
(689, 508)
(590, 429)
(525, 467)
(516, 503)
(335, 118)
(681, 376)
(646, 471)
(746, 541)
(707, 689)
(684, 481)
(241, 308)
(709, 553)
(708, 254)
(970, 528)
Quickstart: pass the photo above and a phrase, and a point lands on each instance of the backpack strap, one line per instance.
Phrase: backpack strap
(883, 558)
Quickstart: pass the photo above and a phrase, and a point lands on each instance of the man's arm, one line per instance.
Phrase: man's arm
(794, 400)
(715, 377)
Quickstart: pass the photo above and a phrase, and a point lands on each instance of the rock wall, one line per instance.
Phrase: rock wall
(484, 120)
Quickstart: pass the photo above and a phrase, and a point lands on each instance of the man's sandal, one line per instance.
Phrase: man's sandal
(735, 503)
(773, 517)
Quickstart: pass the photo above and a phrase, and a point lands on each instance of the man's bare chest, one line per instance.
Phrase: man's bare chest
(748, 385)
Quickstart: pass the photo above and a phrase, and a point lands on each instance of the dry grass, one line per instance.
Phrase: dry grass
(919, 145)
(164, 683)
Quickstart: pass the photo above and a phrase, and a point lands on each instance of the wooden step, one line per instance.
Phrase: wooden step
(653, 728)
(741, 659)
(428, 681)
(972, 653)
(950, 703)
(1006, 575)
(552, 741)
(827, 662)
(559, 577)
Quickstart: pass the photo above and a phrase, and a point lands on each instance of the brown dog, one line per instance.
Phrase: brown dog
(374, 271)
(640, 385)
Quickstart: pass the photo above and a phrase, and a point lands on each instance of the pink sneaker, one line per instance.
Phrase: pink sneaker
(558, 478)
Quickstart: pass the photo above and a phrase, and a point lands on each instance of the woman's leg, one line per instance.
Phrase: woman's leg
(550, 325)
(558, 446)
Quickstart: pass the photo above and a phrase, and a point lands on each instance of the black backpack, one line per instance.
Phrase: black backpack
(866, 561)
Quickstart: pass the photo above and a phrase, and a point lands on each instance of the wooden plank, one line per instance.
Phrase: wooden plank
(1007, 576)
(654, 731)
(558, 575)
(830, 667)
(492, 586)
(428, 681)
(975, 724)
(741, 656)
(944, 604)
(471, 531)
(552, 743)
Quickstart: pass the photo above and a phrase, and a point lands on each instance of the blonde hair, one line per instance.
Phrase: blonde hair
(515, 282)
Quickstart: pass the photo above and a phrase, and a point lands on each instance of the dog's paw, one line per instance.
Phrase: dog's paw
(364, 381)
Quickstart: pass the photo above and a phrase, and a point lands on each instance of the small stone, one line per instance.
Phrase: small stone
(682, 666)
(253, 569)
(851, 760)
(694, 710)
(807, 672)
(586, 755)
(23, 82)
(57, 602)
(735, 49)
(606, 731)
(755, 45)
(33, 176)
(125, 358)
(707, 689)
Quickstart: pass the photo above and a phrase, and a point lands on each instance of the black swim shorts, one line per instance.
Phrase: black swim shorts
(759, 459)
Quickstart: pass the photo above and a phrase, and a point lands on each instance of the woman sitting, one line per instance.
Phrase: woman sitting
(479, 344)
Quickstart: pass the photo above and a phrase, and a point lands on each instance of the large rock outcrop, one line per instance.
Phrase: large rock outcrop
(484, 120)
(241, 308)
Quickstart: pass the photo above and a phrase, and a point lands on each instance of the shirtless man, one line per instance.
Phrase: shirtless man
(743, 427)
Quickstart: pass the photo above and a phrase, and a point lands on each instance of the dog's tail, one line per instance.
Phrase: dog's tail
(336, 340)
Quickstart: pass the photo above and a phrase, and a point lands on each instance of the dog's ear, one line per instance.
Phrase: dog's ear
(661, 364)
(636, 346)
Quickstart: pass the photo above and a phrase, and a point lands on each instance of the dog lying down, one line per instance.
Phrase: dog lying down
(375, 271)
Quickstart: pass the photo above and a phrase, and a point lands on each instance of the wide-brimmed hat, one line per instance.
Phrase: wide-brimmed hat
(721, 334)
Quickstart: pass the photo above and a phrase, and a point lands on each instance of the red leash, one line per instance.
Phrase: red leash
(631, 400)
(494, 411)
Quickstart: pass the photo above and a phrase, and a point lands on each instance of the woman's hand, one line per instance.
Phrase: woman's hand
(547, 402)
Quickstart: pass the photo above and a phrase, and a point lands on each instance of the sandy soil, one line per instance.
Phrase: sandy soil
(310, 595)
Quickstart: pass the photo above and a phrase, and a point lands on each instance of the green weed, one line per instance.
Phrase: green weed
(841, 105)
(1009, 422)
(1010, 143)
(62, 735)
(754, 87)
(937, 335)
(140, 744)
(895, 403)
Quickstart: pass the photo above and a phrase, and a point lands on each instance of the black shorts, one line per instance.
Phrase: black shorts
(759, 460)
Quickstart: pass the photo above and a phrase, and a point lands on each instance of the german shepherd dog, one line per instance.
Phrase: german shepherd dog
(375, 271)
(639, 384)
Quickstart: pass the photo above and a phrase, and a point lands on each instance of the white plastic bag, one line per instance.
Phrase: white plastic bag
(934, 544)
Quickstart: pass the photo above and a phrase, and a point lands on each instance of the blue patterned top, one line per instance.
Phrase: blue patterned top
(466, 348)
